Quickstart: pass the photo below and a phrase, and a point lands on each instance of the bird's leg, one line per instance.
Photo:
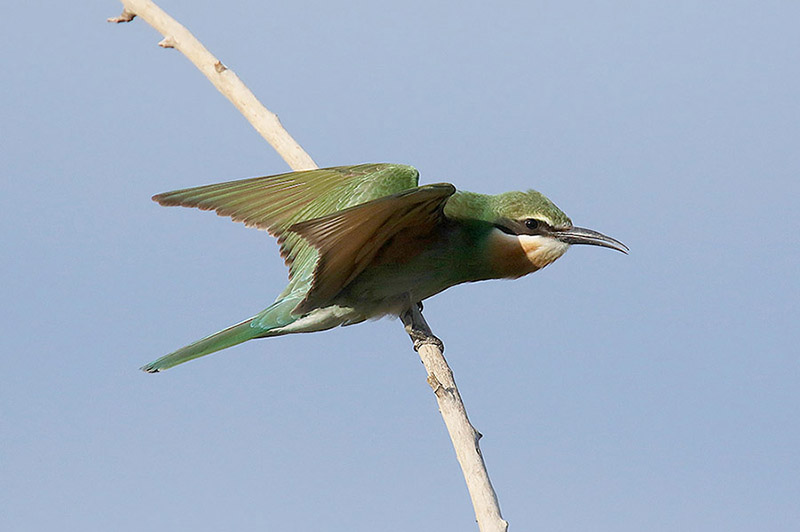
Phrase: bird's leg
(417, 328)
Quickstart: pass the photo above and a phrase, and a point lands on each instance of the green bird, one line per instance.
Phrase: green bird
(367, 241)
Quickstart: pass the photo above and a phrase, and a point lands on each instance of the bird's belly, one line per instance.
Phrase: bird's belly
(391, 288)
(322, 319)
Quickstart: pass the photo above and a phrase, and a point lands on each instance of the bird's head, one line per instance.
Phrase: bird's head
(530, 232)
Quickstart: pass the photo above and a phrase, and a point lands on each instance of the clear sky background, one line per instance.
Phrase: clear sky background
(657, 391)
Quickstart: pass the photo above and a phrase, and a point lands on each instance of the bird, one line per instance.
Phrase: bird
(366, 241)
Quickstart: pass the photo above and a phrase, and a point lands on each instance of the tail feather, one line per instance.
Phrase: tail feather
(233, 335)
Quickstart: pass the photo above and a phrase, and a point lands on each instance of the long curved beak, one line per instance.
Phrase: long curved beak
(579, 235)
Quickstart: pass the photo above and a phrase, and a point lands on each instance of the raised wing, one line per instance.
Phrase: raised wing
(349, 241)
(274, 203)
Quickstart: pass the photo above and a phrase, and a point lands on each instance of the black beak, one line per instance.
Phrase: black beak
(579, 235)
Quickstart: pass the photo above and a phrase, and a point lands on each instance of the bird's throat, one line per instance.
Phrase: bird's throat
(513, 256)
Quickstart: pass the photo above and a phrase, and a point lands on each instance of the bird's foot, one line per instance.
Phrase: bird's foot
(421, 338)
(417, 328)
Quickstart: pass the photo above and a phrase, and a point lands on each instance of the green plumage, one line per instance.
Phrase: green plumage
(365, 241)
(275, 203)
(233, 335)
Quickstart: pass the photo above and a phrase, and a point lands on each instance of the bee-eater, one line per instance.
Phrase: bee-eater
(367, 241)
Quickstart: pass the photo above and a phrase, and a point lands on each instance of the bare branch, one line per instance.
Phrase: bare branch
(440, 377)
(462, 433)
(224, 79)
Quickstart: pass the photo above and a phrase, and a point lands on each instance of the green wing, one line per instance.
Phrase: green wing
(275, 203)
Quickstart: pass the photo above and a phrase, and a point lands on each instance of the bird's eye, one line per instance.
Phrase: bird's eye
(532, 224)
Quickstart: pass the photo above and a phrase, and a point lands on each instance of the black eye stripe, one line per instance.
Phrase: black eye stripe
(505, 229)
(526, 226)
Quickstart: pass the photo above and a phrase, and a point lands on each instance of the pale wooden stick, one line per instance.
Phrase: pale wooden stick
(228, 83)
(462, 433)
(440, 377)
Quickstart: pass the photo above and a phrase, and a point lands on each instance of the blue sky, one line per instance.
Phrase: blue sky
(655, 391)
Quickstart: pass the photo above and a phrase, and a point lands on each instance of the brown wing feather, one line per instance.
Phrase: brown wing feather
(348, 241)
